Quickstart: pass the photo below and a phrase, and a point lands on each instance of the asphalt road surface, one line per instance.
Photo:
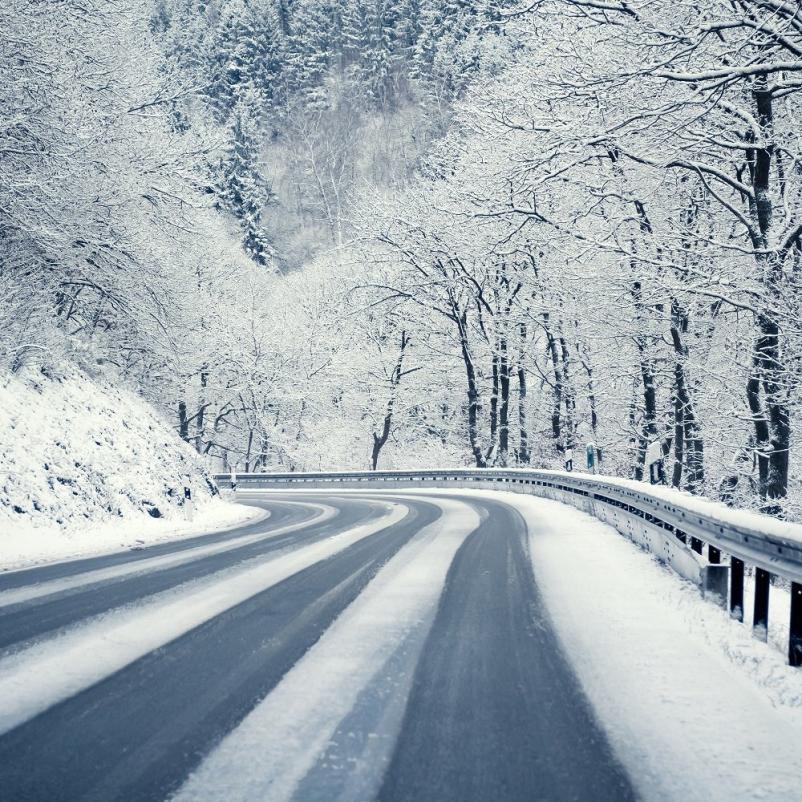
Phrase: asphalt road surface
(477, 702)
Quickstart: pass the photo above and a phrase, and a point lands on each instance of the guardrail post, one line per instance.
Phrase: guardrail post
(760, 620)
(714, 584)
(795, 640)
(696, 544)
(713, 555)
(737, 588)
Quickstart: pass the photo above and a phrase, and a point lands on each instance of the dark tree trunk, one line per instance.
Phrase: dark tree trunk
(556, 406)
(494, 398)
(248, 451)
(648, 430)
(183, 421)
(679, 441)
(461, 319)
(569, 396)
(201, 416)
(770, 413)
(688, 448)
(380, 439)
(523, 447)
(504, 406)
(771, 416)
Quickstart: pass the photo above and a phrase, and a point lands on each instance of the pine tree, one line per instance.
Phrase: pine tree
(315, 47)
(370, 47)
(242, 188)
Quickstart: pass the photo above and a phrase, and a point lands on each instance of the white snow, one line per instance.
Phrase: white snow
(277, 743)
(695, 708)
(25, 547)
(84, 466)
(716, 510)
(39, 676)
(159, 562)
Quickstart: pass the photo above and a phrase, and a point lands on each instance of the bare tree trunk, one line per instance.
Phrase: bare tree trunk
(504, 406)
(200, 417)
(380, 439)
(461, 319)
(771, 413)
(590, 394)
(494, 397)
(523, 447)
(569, 396)
(648, 429)
(556, 406)
(183, 421)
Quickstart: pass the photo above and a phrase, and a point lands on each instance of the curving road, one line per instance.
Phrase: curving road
(144, 675)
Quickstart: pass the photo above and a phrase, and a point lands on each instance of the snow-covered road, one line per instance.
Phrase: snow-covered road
(370, 645)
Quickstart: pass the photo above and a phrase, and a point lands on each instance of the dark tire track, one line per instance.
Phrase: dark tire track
(495, 711)
(32, 619)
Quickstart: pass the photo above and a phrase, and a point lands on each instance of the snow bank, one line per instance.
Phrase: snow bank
(716, 510)
(86, 467)
(691, 702)
(701, 505)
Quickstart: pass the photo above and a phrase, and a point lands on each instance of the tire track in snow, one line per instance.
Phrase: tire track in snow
(36, 678)
(97, 576)
(278, 743)
(21, 625)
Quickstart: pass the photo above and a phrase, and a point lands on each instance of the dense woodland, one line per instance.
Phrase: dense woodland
(357, 233)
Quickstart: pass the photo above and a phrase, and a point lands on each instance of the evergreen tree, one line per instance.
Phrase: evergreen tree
(315, 47)
(242, 189)
(370, 47)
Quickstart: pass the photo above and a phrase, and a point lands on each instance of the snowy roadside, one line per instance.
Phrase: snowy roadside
(23, 545)
(702, 505)
(692, 704)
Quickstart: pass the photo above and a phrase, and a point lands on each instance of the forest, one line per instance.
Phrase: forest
(322, 234)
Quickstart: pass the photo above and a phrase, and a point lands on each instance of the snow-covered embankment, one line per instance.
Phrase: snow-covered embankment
(86, 468)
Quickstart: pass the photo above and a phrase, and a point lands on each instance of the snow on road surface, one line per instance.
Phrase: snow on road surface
(160, 562)
(694, 706)
(278, 742)
(43, 674)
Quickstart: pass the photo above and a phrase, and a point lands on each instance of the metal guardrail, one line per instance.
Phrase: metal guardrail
(692, 542)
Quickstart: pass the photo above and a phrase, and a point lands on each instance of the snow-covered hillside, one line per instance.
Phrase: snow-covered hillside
(88, 467)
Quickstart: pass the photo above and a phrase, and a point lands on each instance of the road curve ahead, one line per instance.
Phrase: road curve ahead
(359, 646)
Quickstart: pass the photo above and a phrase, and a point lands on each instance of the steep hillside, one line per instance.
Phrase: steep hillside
(85, 466)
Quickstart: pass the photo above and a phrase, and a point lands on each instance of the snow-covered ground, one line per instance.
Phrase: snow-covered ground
(88, 468)
(23, 546)
(716, 510)
(692, 704)
(695, 707)
(271, 750)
